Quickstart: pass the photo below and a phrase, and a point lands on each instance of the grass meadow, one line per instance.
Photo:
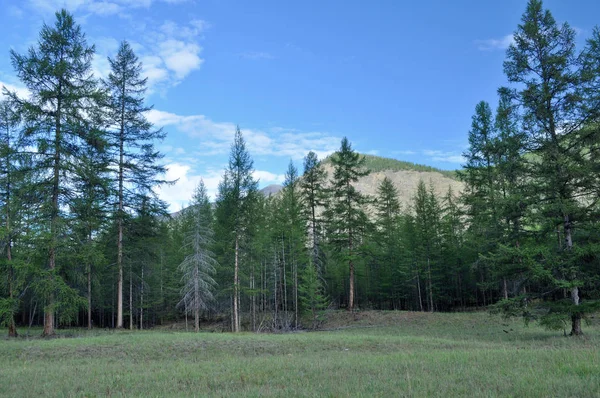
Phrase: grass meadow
(370, 354)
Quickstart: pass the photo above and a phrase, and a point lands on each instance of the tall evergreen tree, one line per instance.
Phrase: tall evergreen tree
(235, 203)
(348, 209)
(136, 162)
(58, 73)
(199, 263)
(315, 195)
(543, 65)
(389, 239)
(9, 179)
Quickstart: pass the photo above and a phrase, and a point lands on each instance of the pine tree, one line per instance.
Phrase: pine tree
(136, 162)
(348, 213)
(64, 93)
(199, 264)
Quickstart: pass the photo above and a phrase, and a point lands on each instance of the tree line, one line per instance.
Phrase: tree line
(87, 242)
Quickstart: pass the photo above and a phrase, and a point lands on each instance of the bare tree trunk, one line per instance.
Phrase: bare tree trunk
(142, 301)
(130, 299)
(296, 294)
(49, 310)
(505, 288)
(196, 300)
(576, 316)
(12, 328)
(430, 286)
(276, 304)
(351, 264)
(120, 213)
(419, 292)
(253, 299)
(89, 294)
(236, 321)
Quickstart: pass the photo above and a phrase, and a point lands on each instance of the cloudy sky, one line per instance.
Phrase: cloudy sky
(398, 78)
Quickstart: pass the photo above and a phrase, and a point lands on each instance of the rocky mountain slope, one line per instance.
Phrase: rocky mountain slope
(404, 175)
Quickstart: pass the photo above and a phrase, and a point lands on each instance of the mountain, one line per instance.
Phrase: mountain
(272, 189)
(404, 175)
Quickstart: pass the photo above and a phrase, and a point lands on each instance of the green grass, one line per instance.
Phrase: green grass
(372, 354)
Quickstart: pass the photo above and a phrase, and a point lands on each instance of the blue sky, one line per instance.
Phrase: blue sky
(398, 78)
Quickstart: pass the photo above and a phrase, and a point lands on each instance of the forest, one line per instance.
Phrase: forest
(86, 241)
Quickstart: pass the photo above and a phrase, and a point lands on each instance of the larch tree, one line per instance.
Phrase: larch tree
(348, 208)
(198, 266)
(58, 73)
(388, 239)
(549, 80)
(294, 228)
(315, 196)
(10, 201)
(235, 203)
(136, 162)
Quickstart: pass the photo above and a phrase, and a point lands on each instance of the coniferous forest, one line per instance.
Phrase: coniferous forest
(86, 241)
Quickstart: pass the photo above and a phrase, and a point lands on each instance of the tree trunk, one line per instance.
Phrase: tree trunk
(142, 301)
(430, 286)
(576, 316)
(253, 299)
(120, 213)
(130, 299)
(89, 294)
(295, 294)
(236, 315)
(49, 309)
(419, 292)
(12, 328)
(196, 300)
(505, 288)
(351, 264)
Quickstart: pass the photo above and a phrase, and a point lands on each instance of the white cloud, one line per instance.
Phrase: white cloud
(104, 8)
(495, 44)
(21, 91)
(216, 137)
(180, 194)
(180, 57)
(266, 177)
(444, 156)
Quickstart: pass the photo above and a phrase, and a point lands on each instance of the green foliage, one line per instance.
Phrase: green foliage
(376, 164)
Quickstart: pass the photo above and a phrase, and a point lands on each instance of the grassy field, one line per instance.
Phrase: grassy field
(372, 354)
